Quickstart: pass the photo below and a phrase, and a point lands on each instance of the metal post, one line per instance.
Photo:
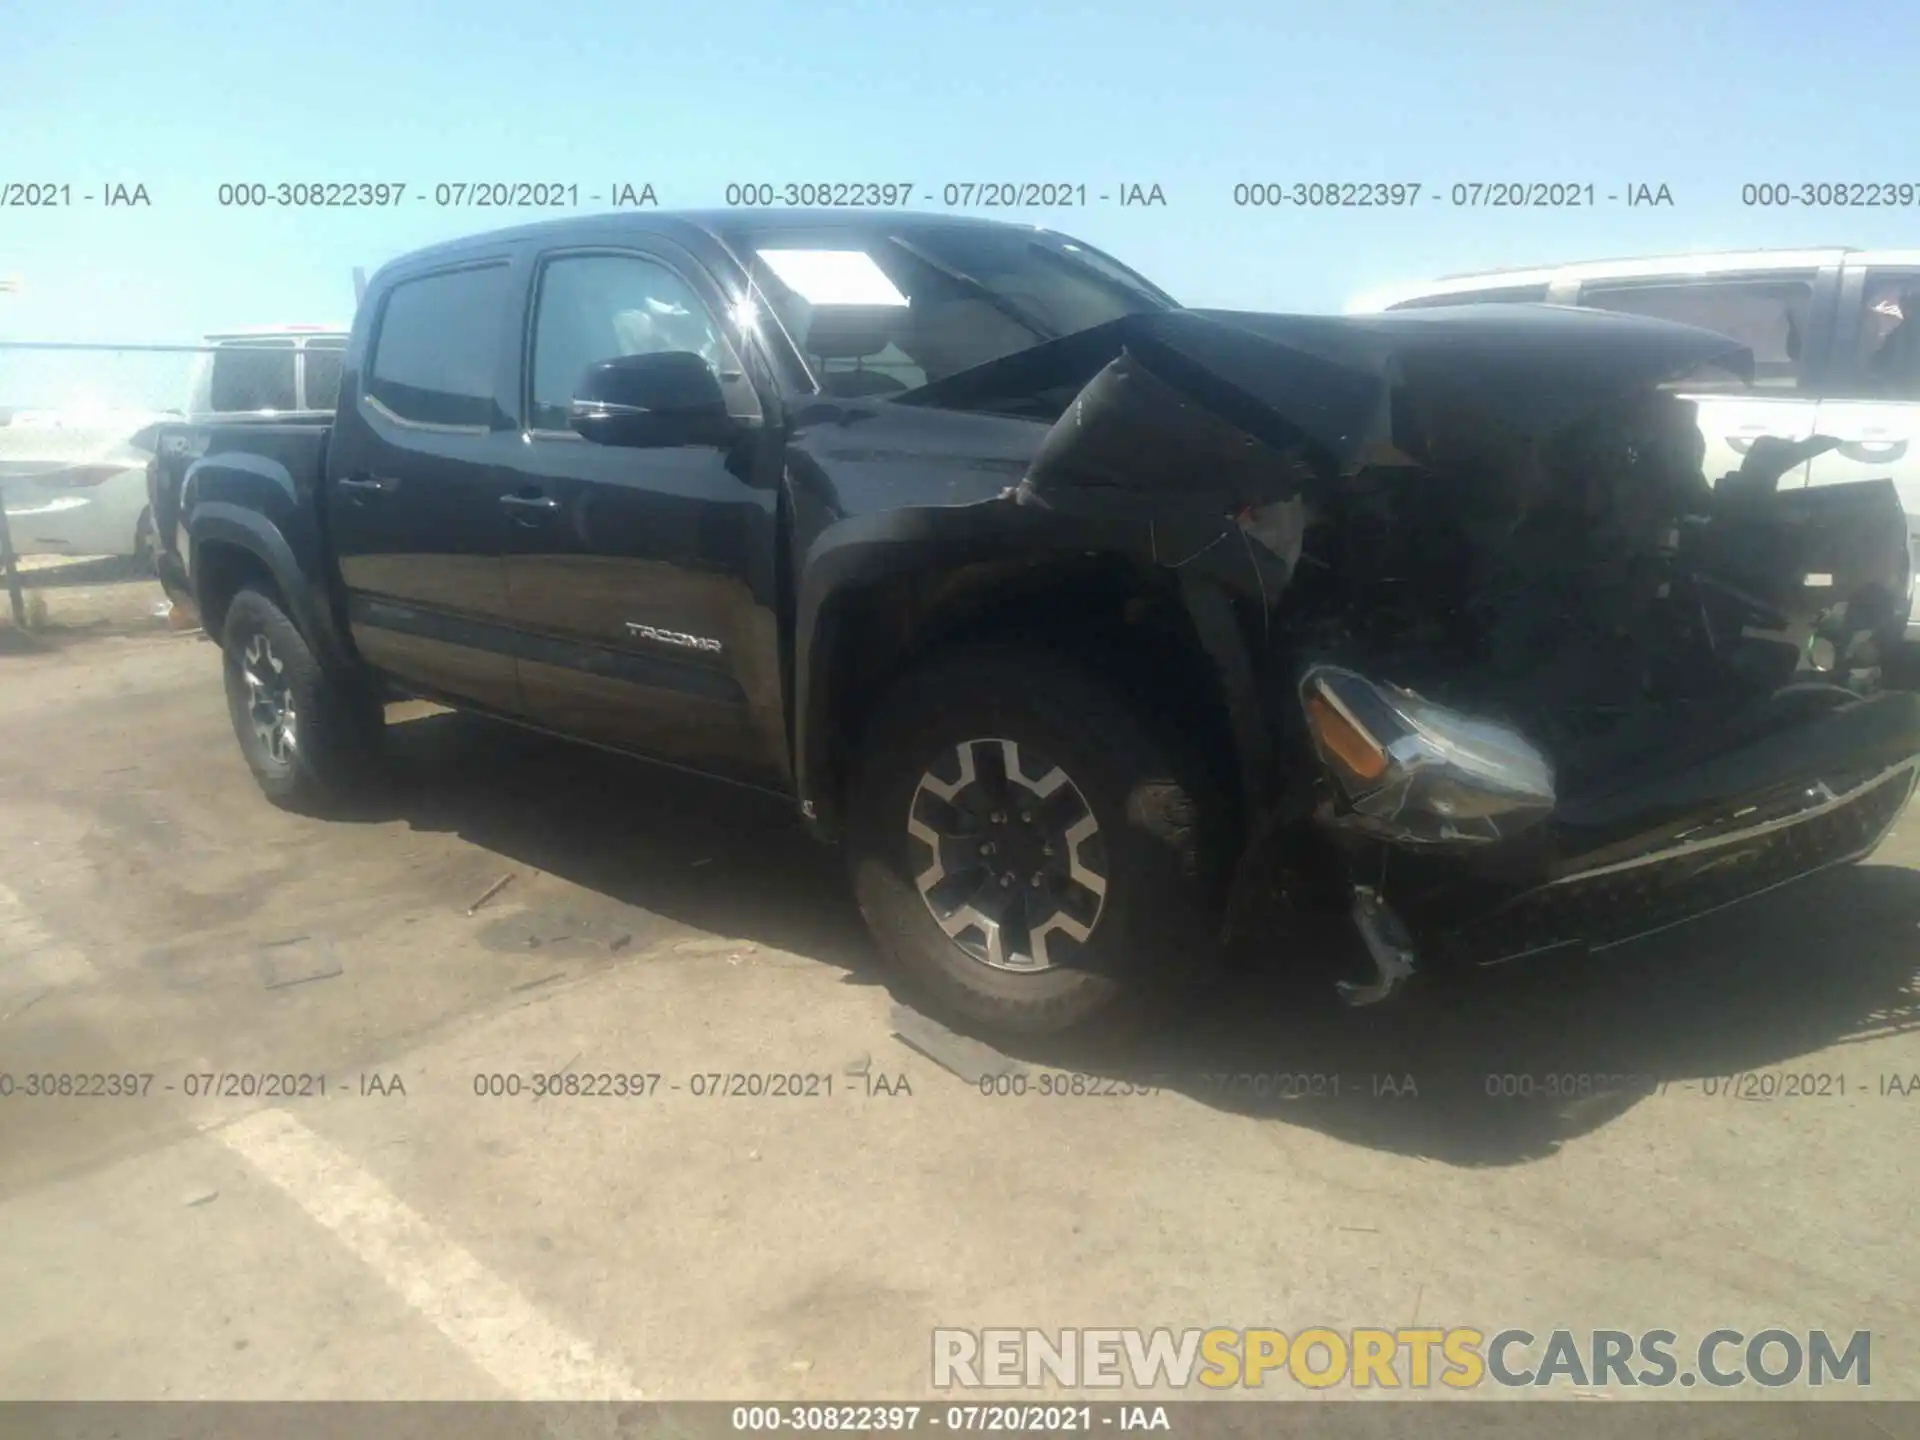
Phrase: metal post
(11, 286)
(12, 570)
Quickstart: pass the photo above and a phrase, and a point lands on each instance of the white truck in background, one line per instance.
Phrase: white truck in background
(271, 369)
(1835, 334)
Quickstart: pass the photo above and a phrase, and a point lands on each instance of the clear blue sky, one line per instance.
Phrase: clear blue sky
(1194, 96)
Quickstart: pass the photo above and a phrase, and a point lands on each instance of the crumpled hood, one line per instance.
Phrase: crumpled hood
(1530, 369)
(1224, 406)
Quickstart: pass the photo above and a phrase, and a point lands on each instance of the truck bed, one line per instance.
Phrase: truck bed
(275, 460)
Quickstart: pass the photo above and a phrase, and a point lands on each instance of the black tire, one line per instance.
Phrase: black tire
(1159, 844)
(325, 758)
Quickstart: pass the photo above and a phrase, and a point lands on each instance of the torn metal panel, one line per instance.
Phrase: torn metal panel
(1150, 404)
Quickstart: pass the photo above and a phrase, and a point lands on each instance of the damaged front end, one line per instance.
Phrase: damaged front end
(1541, 684)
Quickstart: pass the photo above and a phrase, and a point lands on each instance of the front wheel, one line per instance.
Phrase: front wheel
(1031, 851)
(310, 737)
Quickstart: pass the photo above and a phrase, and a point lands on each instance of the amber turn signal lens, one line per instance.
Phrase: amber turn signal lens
(1350, 745)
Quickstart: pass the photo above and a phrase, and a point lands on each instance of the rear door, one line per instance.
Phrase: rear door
(1775, 313)
(414, 482)
(643, 579)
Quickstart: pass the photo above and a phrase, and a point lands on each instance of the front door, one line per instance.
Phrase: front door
(414, 484)
(642, 579)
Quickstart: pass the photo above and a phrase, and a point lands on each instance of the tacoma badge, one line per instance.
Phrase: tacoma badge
(674, 638)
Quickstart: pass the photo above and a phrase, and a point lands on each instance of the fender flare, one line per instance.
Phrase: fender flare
(221, 523)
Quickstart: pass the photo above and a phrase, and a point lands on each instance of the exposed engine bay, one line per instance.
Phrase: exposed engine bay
(1595, 592)
(1553, 684)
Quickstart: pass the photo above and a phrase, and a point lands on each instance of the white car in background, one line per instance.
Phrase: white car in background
(1835, 336)
(75, 478)
(75, 481)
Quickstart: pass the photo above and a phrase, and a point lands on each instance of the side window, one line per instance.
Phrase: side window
(1886, 352)
(322, 361)
(1507, 295)
(600, 307)
(1768, 316)
(434, 358)
(253, 377)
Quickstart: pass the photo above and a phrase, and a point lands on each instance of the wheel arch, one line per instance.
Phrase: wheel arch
(234, 547)
(876, 606)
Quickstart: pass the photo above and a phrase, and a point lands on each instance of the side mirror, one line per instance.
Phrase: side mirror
(668, 398)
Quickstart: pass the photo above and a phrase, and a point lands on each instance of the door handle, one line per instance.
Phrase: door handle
(362, 484)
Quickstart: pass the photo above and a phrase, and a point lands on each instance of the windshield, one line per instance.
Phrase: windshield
(880, 314)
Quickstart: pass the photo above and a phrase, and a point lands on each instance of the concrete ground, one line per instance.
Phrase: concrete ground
(68, 599)
(404, 1235)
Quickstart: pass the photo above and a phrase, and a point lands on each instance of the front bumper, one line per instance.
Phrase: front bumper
(67, 525)
(99, 519)
(1711, 817)
(1722, 864)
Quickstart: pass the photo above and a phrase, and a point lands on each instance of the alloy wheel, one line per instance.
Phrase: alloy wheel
(270, 705)
(1013, 866)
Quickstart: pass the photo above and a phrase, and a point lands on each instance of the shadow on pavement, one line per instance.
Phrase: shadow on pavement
(1492, 1069)
(703, 854)
(58, 573)
(69, 601)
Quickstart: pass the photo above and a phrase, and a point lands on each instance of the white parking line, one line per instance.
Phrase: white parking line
(528, 1355)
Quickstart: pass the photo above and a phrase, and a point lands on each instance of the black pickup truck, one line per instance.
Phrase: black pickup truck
(1068, 611)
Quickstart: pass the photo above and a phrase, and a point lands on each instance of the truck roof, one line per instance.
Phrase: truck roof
(715, 223)
(1678, 260)
(253, 332)
(1695, 262)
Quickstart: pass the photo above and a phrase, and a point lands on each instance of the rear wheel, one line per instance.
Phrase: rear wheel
(310, 737)
(1029, 850)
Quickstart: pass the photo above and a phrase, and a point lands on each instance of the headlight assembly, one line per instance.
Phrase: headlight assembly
(1419, 773)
